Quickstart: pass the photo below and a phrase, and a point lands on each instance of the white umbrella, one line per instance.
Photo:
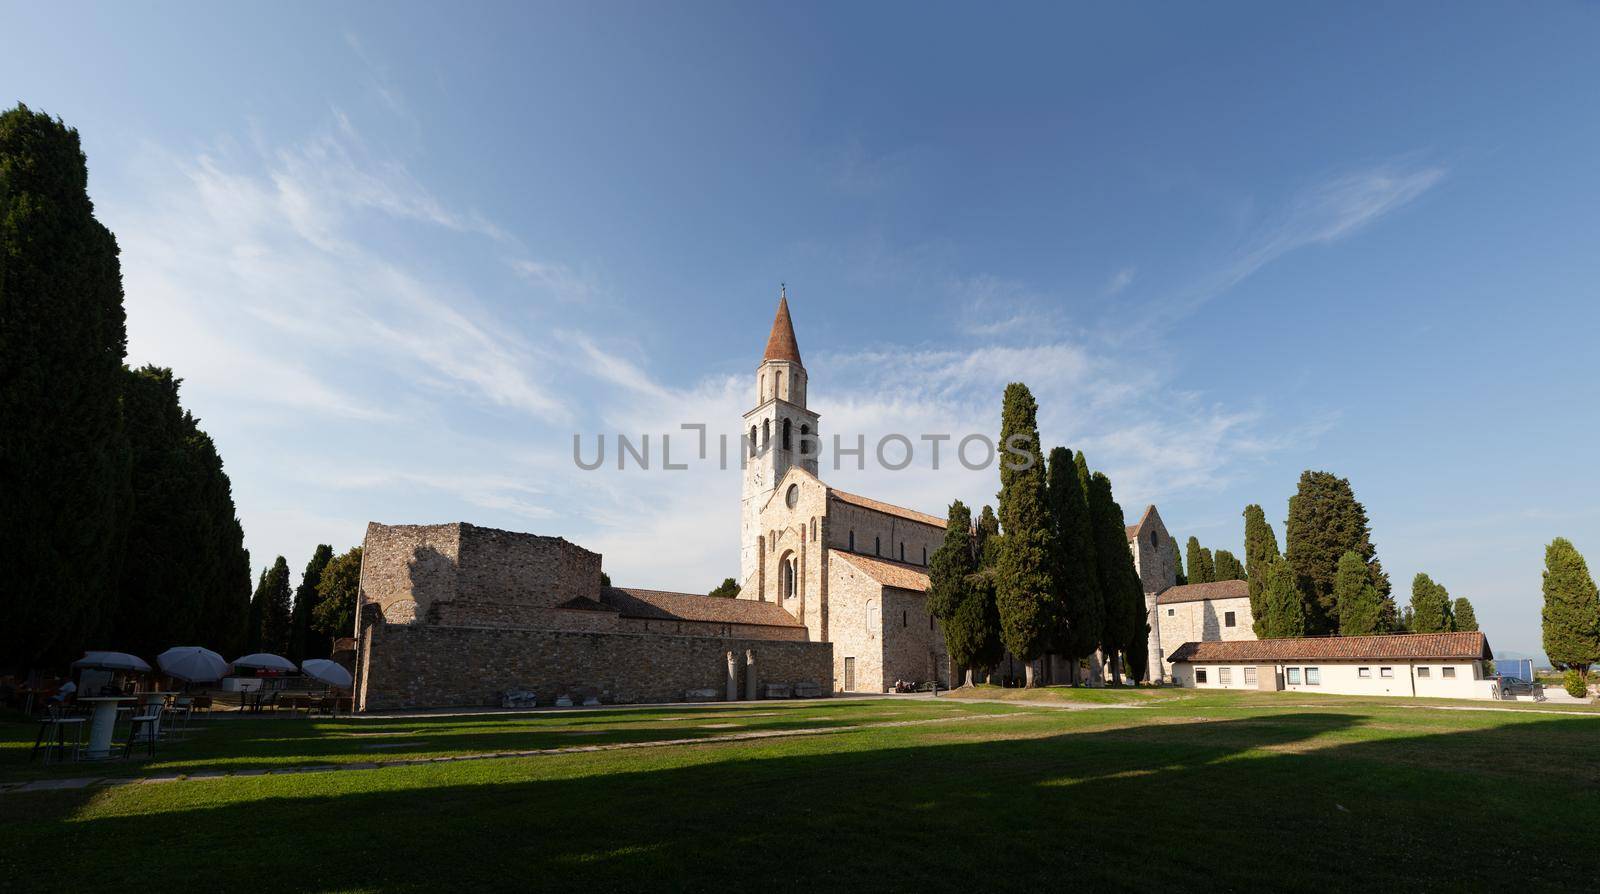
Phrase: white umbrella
(266, 661)
(325, 671)
(112, 661)
(192, 664)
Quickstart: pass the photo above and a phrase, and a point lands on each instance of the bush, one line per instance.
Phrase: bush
(1574, 683)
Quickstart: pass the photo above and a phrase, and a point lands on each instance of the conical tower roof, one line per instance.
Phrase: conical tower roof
(781, 344)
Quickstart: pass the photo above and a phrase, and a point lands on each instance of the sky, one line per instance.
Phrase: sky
(401, 254)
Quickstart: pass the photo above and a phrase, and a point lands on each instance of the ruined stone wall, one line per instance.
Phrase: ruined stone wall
(406, 569)
(420, 666)
(507, 566)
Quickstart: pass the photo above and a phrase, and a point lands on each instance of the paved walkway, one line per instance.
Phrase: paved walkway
(89, 781)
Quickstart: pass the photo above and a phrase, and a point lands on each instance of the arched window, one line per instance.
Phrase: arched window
(766, 432)
(877, 546)
(805, 439)
(872, 617)
(813, 527)
(1152, 538)
(777, 383)
(852, 541)
(752, 440)
(924, 555)
(792, 498)
(786, 443)
(902, 552)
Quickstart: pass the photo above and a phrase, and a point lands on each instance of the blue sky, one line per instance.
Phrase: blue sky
(401, 254)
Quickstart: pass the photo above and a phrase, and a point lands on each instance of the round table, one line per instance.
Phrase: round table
(102, 723)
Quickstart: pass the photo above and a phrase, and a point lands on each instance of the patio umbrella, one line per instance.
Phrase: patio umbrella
(266, 661)
(192, 664)
(325, 671)
(112, 661)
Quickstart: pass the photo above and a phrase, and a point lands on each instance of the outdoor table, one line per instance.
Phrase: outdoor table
(102, 723)
(152, 701)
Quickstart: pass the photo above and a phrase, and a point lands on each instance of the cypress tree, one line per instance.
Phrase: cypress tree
(1360, 607)
(1571, 608)
(1283, 610)
(63, 453)
(1177, 564)
(1260, 550)
(988, 538)
(1430, 606)
(303, 643)
(1325, 522)
(728, 589)
(1198, 563)
(1208, 566)
(950, 564)
(1024, 583)
(1227, 567)
(972, 634)
(335, 615)
(276, 605)
(1466, 619)
(1078, 586)
(1120, 588)
(258, 601)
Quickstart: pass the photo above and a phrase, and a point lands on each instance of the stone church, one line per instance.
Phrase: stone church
(852, 569)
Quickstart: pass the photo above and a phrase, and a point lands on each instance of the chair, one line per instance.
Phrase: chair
(151, 724)
(52, 736)
(201, 703)
(182, 707)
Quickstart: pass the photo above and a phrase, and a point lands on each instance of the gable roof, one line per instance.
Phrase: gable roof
(781, 344)
(661, 605)
(1222, 589)
(887, 508)
(1133, 531)
(899, 575)
(1413, 646)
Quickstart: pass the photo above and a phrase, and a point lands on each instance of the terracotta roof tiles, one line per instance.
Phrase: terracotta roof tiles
(1397, 646)
(887, 508)
(1222, 589)
(781, 344)
(660, 605)
(899, 575)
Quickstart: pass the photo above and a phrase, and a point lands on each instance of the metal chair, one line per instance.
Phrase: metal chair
(53, 729)
(151, 724)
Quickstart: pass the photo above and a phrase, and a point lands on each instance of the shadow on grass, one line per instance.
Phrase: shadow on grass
(1275, 802)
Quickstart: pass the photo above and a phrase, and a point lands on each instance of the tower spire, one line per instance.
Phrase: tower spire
(781, 344)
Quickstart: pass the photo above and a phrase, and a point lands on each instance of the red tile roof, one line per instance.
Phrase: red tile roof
(781, 344)
(1399, 646)
(888, 508)
(660, 605)
(899, 575)
(1222, 589)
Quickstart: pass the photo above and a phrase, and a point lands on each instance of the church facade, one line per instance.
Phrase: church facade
(851, 569)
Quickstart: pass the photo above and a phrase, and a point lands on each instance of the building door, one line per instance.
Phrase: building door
(849, 675)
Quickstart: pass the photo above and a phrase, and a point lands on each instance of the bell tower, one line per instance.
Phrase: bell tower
(778, 433)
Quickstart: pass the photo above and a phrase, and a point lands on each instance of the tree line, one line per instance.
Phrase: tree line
(1049, 574)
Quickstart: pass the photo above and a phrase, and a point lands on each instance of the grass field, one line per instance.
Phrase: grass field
(1228, 791)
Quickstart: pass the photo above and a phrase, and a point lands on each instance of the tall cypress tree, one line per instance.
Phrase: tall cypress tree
(1430, 606)
(1197, 562)
(1283, 612)
(1571, 608)
(257, 611)
(1227, 567)
(1078, 586)
(1120, 587)
(972, 635)
(1177, 564)
(988, 538)
(1325, 522)
(1466, 619)
(1260, 550)
(63, 453)
(950, 564)
(1360, 607)
(1024, 582)
(1208, 567)
(303, 643)
(275, 608)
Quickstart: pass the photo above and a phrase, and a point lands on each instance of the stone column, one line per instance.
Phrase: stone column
(733, 678)
(750, 674)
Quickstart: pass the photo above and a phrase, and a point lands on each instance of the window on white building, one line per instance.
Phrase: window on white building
(1225, 675)
(1386, 672)
(1227, 619)
(1249, 676)
(1292, 674)
(1171, 612)
(1199, 675)
(1424, 672)
(1313, 676)
(1447, 672)
(1364, 672)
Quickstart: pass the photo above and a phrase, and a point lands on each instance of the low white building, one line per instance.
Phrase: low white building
(1436, 665)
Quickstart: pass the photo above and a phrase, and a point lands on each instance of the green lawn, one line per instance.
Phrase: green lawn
(1226, 791)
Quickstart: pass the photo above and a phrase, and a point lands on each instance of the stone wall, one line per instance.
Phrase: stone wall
(855, 624)
(882, 532)
(421, 666)
(913, 644)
